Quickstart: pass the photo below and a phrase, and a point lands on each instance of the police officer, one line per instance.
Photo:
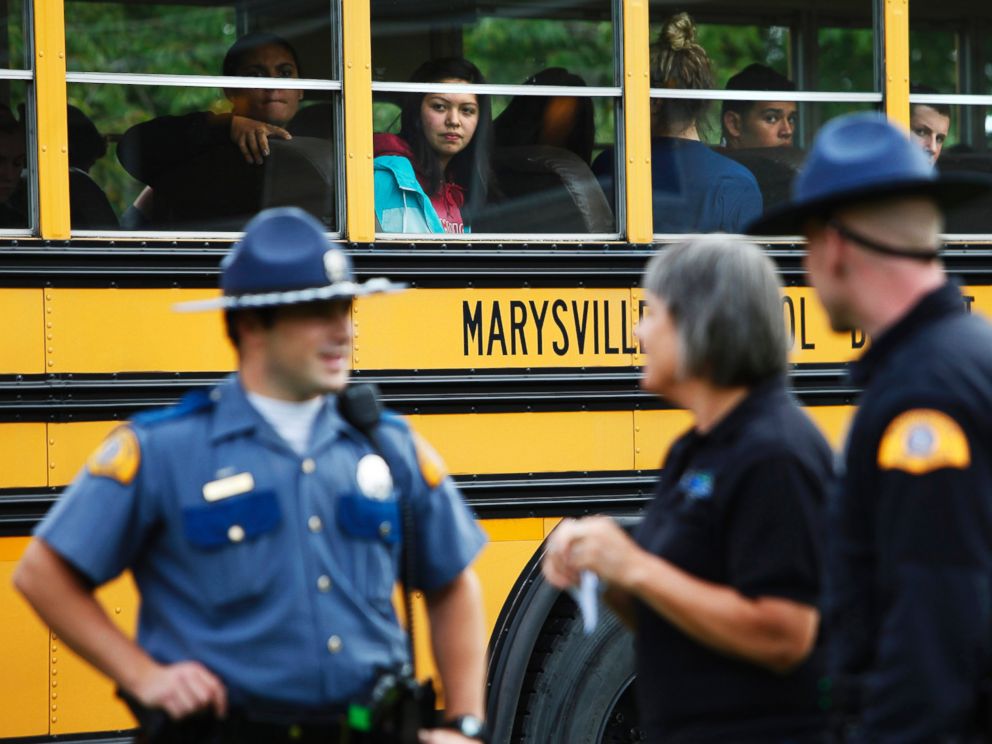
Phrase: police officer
(910, 567)
(263, 530)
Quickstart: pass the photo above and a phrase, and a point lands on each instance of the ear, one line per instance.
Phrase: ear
(732, 123)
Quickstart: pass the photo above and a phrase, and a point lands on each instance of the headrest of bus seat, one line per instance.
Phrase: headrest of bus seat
(973, 216)
(301, 172)
(774, 168)
(546, 190)
(219, 190)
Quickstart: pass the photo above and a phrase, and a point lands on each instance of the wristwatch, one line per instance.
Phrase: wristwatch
(470, 727)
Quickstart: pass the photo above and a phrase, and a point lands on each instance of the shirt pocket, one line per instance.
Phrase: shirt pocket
(235, 541)
(375, 530)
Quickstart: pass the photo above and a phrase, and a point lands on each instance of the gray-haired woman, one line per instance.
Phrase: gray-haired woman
(722, 579)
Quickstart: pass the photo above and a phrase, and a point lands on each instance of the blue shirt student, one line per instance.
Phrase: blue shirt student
(694, 189)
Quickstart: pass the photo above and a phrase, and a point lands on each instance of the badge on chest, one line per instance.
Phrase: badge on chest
(372, 513)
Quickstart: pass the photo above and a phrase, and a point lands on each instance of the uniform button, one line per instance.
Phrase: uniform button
(324, 583)
(385, 528)
(315, 524)
(235, 533)
(309, 465)
(334, 644)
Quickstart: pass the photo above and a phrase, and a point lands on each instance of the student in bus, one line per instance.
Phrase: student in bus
(929, 123)
(694, 188)
(153, 148)
(435, 175)
(749, 124)
(721, 581)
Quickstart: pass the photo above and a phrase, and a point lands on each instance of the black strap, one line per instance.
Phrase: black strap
(918, 254)
(359, 405)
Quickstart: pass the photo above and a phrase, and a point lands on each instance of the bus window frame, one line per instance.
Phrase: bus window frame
(614, 93)
(334, 86)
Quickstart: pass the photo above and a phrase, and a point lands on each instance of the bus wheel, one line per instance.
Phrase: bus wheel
(579, 688)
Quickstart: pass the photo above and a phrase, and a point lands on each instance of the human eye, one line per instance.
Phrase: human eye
(941, 138)
(470, 110)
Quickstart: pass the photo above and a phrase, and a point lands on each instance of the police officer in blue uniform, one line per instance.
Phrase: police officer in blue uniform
(910, 563)
(263, 529)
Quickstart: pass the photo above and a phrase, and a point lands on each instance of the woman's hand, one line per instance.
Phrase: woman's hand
(596, 544)
(252, 137)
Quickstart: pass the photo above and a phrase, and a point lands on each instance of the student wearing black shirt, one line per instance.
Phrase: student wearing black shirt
(722, 580)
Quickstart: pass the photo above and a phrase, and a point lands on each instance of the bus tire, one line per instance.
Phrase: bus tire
(580, 688)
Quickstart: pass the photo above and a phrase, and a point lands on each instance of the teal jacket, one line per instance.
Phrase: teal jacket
(401, 206)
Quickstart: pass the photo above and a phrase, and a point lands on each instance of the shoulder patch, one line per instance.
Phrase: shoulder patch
(432, 467)
(196, 400)
(923, 440)
(118, 457)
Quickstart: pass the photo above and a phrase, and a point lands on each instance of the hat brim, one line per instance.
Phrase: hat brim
(947, 191)
(336, 291)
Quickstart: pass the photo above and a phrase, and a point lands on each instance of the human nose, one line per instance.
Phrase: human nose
(452, 119)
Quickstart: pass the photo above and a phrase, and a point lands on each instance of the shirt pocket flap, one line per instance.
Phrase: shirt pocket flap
(232, 520)
(360, 516)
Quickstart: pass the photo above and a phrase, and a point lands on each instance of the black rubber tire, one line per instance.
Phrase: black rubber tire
(579, 689)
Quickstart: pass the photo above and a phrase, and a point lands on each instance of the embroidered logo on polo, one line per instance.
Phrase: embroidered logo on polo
(697, 484)
(923, 440)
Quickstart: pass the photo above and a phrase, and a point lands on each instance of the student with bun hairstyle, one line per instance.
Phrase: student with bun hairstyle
(695, 190)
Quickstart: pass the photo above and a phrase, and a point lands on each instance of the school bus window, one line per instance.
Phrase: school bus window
(194, 153)
(16, 184)
(721, 156)
(951, 99)
(520, 164)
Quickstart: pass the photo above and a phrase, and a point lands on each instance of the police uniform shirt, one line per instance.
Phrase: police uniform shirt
(911, 535)
(738, 506)
(274, 570)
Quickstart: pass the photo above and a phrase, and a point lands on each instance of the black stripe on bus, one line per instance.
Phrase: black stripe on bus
(195, 264)
(74, 397)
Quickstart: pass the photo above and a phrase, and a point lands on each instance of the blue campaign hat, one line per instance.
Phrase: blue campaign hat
(284, 258)
(861, 158)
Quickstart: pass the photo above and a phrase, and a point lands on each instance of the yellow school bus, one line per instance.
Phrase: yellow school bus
(513, 352)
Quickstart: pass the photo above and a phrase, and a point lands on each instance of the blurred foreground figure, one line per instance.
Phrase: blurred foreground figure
(910, 564)
(265, 522)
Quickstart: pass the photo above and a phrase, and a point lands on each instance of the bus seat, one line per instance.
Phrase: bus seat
(974, 216)
(89, 206)
(546, 190)
(301, 172)
(774, 168)
(219, 190)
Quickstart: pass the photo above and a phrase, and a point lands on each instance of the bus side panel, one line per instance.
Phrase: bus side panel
(24, 691)
(23, 348)
(83, 699)
(125, 330)
(23, 456)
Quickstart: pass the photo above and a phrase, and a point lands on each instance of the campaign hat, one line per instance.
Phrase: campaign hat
(285, 258)
(860, 158)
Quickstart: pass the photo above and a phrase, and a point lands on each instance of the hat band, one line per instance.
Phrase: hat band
(925, 254)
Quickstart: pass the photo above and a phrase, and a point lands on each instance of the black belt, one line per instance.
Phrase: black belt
(240, 728)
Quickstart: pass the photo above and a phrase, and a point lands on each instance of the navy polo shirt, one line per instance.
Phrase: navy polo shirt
(910, 559)
(738, 506)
